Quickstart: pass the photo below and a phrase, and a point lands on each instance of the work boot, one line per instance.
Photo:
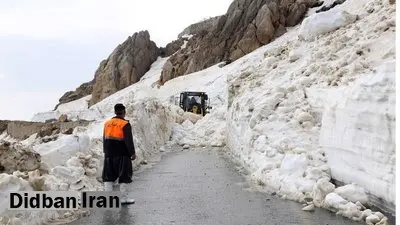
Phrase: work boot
(124, 188)
(108, 186)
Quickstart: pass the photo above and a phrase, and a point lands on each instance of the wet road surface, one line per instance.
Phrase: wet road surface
(203, 187)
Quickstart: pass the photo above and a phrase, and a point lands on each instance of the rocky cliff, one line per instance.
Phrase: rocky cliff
(82, 91)
(125, 66)
(205, 25)
(247, 25)
(173, 47)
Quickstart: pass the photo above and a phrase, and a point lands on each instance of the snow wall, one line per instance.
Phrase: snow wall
(358, 134)
(74, 162)
(314, 109)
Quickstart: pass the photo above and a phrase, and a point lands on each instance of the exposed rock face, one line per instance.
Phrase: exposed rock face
(49, 130)
(22, 129)
(27, 160)
(125, 66)
(3, 125)
(63, 118)
(172, 47)
(82, 91)
(68, 131)
(326, 8)
(246, 26)
(203, 26)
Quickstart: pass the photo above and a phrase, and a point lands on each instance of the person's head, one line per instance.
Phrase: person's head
(119, 110)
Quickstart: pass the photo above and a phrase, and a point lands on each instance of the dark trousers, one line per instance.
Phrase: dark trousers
(117, 167)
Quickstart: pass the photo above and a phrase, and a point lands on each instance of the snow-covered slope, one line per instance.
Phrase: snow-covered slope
(307, 110)
(282, 110)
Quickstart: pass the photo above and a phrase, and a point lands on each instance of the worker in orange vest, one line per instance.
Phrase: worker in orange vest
(119, 151)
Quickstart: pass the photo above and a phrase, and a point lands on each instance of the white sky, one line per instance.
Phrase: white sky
(48, 47)
(70, 19)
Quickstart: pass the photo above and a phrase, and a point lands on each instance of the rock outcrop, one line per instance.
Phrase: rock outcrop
(23, 129)
(246, 26)
(82, 91)
(63, 118)
(16, 158)
(333, 5)
(172, 47)
(203, 26)
(125, 66)
(3, 125)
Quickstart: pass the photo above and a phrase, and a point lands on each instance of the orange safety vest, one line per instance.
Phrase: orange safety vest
(114, 129)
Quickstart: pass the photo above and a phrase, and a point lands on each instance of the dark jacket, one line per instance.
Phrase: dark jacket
(117, 138)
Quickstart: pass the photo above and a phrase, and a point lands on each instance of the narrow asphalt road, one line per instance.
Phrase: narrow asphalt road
(203, 187)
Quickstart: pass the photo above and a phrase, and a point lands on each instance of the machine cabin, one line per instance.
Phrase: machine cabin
(195, 102)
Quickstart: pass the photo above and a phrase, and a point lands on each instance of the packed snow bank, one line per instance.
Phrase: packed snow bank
(9, 183)
(58, 152)
(75, 162)
(45, 116)
(277, 104)
(19, 182)
(353, 193)
(209, 131)
(152, 124)
(324, 22)
(73, 108)
(77, 105)
(360, 127)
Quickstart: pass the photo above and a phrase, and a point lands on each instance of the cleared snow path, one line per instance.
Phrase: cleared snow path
(203, 187)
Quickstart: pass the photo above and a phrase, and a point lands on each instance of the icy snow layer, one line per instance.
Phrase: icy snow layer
(74, 108)
(276, 105)
(360, 127)
(58, 152)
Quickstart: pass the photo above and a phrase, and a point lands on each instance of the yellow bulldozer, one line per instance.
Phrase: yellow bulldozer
(195, 102)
